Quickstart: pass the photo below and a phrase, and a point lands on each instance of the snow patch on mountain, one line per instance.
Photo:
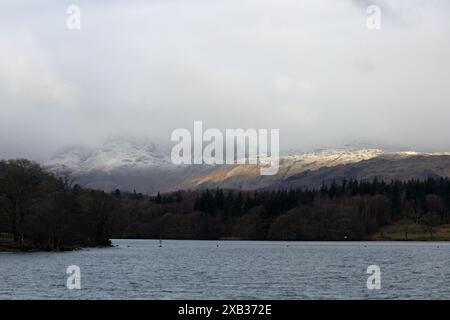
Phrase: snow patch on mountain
(116, 153)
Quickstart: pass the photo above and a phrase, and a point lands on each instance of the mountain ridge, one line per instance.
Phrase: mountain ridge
(140, 164)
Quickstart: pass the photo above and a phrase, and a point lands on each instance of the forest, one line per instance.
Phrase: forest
(39, 211)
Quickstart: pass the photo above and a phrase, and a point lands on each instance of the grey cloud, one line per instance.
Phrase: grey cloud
(310, 68)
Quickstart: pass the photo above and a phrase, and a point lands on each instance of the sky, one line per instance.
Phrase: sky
(312, 69)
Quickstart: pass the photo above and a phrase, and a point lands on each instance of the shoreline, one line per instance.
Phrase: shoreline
(40, 249)
(274, 240)
(378, 237)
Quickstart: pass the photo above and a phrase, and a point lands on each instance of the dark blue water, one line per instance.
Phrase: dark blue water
(140, 269)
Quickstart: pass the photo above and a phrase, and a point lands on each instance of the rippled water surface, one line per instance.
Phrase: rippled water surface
(140, 269)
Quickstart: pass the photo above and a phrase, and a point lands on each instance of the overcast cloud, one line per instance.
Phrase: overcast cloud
(310, 68)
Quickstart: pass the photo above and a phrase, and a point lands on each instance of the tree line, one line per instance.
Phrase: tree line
(40, 210)
(348, 210)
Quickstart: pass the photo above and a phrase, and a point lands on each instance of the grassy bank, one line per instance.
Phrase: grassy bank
(412, 232)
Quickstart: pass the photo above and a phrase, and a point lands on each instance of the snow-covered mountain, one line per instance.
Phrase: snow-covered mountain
(122, 162)
(116, 153)
(247, 177)
(130, 163)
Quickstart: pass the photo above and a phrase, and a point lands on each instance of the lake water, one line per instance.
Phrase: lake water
(140, 269)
